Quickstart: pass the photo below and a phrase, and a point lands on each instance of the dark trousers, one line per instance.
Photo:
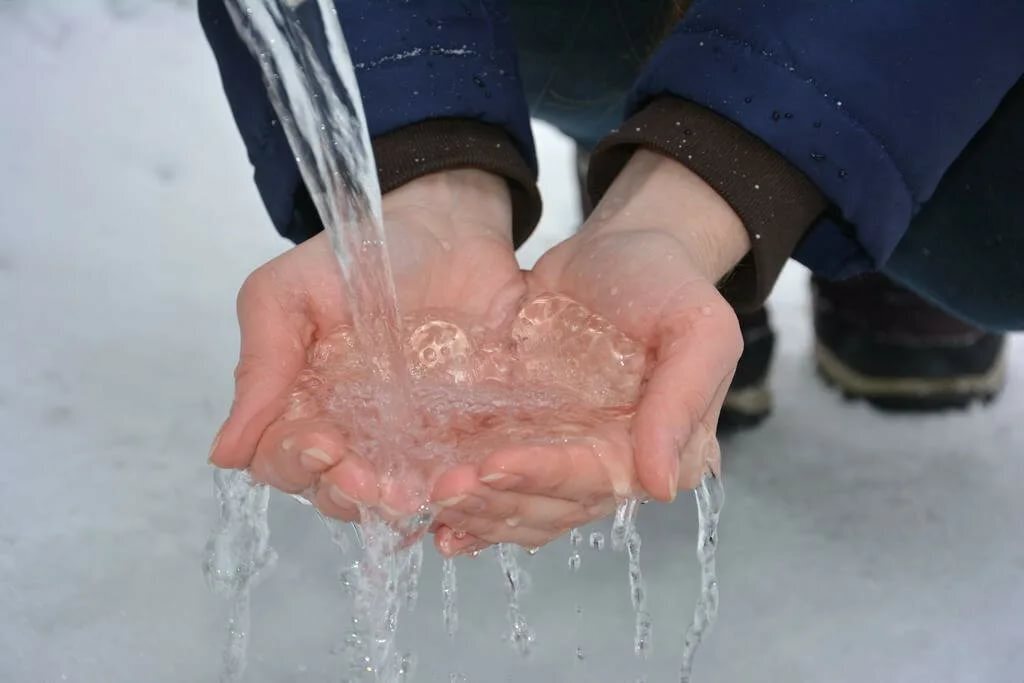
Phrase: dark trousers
(964, 250)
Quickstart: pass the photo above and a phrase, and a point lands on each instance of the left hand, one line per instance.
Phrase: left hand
(648, 261)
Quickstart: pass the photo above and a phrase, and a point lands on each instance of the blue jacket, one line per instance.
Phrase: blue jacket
(885, 94)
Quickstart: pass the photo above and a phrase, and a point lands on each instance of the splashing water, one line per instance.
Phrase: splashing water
(521, 636)
(710, 497)
(626, 536)
(449, 595)
(575, 538)
(312, 85)
(237, 556)
(423, 388)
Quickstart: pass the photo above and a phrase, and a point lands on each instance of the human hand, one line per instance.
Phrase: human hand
(647, 260)
(449, 239)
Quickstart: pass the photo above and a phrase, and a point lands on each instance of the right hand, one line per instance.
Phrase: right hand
(449, 239)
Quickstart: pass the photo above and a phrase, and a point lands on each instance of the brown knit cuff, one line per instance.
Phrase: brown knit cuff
(776, 202)
(444, 144)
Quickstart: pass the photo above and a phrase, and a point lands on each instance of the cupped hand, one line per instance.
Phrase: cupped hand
(449, 239)
(648, 260)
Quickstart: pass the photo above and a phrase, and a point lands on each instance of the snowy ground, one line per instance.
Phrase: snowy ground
(854, 547)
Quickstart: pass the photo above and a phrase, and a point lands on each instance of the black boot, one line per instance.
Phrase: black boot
(880, 342)
(749, 400)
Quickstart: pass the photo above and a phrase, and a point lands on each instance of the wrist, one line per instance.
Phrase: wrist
(461, 203)
(656, 193)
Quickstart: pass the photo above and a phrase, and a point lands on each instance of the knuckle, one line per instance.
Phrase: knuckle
(253, 287)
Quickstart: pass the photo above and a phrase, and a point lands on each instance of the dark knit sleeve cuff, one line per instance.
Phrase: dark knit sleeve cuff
(776, 202)
(445, 144)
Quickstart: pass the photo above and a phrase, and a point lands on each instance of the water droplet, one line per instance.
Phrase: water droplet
(597, 540)
(817, 156)
(756, 186)
(817, 124)
(776, 116)
(748, 99)
(788, 115)
(574, 562)
(757, 235)
(842, 173)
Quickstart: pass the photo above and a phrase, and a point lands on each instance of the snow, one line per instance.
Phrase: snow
(854, 546)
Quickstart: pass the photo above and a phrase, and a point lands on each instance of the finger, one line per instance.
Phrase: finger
(272, 353)
(702, 453)
(500, 532)
(487, 507)
(582, 470)
(698, 350)
(403, 492)
(450, 543)
(353, 479)
(333, 502)
(291, 455)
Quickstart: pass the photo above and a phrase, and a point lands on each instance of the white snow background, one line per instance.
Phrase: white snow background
(854, 547)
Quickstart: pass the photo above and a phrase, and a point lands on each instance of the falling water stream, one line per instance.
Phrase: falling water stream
(418, 382)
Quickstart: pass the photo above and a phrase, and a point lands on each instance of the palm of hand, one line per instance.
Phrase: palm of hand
(644, 284)
(295, 301)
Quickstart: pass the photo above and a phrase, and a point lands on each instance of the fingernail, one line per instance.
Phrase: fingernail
(213, 446)
(474, 504)
(450, 502)
(317, 455)
(340, 497)
(506, 481)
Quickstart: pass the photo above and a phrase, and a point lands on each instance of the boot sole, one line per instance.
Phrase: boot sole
(745, 408)
(912, 394)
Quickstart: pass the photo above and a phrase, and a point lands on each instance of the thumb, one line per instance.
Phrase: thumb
(696, 360)
(271, 356)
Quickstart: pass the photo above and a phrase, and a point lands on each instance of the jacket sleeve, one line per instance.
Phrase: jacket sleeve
(871, 100)
(440, 87)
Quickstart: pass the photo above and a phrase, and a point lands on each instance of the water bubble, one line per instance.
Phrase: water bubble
(842, 173)
(574, 562)
(597, 540)
(776, 116)
(816, 156)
